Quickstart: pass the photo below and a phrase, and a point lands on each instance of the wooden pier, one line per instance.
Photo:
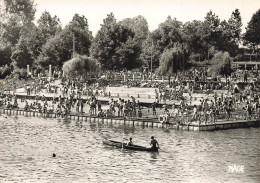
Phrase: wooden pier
(220, 125)
(144, 122)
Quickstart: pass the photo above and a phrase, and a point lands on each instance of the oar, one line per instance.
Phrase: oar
(123, 138)
(107, 131)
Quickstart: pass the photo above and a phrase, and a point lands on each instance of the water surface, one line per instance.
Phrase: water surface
(27, 145)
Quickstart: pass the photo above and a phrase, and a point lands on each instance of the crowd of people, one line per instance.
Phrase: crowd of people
(75, 95)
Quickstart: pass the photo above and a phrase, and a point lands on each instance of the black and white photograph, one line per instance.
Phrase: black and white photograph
(129, 91)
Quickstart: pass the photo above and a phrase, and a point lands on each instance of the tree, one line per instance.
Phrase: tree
(83, 36)
(225, 42)
(170, 62)
(24, 8)
(230, 33)
(59, 48)
(164, 37)
(51, 51)
(5, 60)
(111, 46)
(80, 66)
(139, 26)
(235, 25)
(168, 33)
(5, 55)
(47, 27)
(221, 64)
(150, 52)
(127, 55)
(21, 56)
(5, 70)
(193, 35)
(17, 19)
(16, 22)
(251, 36)
(212, 32)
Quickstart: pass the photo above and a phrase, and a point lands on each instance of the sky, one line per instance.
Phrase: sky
(155, 11)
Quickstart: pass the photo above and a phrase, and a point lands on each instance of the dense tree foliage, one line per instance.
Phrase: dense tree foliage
(21, 56)
(252, 34)
(5, 55)
(193, 35)
(80, 66)
(17, 18)
(164, 37)
(47, 27)
(220, 64)
(59, 48)
(230, 34)
(150, 52)
(139, 26)
(126, 44)
(170, 61)
(114, 46)
(16, 22)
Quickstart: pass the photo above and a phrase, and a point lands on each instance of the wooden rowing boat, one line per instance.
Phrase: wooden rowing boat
(125, 146)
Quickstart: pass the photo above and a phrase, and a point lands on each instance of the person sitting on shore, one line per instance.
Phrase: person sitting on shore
(9, 105)
(58, 110)
(43, 98)
(53, 100)
(64, 111)
(51, 110)
(39, 107)
(175, 111)
(15, 105)
(46, 102)
(100, 113)
(34, 105)
(26, 108)
(31, 107)
(166, 111)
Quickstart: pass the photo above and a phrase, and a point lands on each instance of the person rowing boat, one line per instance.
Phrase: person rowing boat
(154, 143)
(128, 147)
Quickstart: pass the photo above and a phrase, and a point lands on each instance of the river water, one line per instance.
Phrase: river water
(27, 146)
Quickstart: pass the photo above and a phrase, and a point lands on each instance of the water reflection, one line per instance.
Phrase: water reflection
(154, 155)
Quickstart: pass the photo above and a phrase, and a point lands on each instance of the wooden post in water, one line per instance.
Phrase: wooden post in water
(123, 135)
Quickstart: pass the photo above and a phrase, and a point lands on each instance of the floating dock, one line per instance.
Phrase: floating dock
(103, 100)
(144, 122)
(220, 125)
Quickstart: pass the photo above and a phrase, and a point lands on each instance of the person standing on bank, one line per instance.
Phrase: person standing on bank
(154, 108)
(154, 143)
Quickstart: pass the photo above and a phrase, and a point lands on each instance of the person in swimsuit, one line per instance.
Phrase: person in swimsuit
(130, 143)
(154, 142)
